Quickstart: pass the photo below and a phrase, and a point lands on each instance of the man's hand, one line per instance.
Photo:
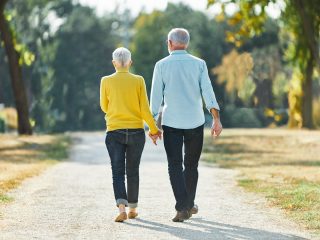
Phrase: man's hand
(154, 137)
(216, 128)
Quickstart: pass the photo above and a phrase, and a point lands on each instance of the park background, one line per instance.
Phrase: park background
(263, 61)
(258, 67)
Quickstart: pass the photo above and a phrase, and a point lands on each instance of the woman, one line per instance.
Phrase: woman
(124, 100)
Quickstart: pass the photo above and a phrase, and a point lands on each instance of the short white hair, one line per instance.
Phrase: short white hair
(122, 56)
(179, 35)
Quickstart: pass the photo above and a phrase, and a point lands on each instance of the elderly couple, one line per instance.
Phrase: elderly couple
(179, 81)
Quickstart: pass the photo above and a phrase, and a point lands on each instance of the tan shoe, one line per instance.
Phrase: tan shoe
(132, 215)
(121, 217)
(194, 209)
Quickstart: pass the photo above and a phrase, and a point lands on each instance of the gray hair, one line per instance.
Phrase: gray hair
(179, 35)
(122, 55)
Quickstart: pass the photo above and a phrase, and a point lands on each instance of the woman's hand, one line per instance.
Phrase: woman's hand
(154, 137)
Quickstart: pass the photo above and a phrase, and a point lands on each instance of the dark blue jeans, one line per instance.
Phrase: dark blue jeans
(125, 148)
(183, 180)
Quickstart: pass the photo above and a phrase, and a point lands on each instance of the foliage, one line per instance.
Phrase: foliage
(294, 97)
(252, 87)
(240, 117)
(316, 115)
(280, 89)
(234, 70)
(2, 123)
(9, 116)
(72, 47)
(301, 20)
(207, 38)
(87, 42)
(247, 22)
(71, 54)
(246, 92)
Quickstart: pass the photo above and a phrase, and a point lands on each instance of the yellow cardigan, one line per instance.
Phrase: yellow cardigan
(123, 98)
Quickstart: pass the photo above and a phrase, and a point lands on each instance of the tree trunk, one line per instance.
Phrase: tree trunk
(17, 83)
(310, 29)
(311, 34)
(307, 117)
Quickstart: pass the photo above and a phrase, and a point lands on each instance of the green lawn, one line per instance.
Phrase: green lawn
(283, 165)
(22, 157)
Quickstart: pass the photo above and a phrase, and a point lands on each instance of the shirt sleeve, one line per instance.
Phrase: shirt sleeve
(145, 110)
(156, 91)
(103, 96)
(207, 90)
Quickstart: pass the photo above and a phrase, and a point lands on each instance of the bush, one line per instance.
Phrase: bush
(233, 117)
(316, 112)
(2, 125)
(11, 117)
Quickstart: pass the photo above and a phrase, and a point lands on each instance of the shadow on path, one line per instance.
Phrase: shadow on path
(211, 230)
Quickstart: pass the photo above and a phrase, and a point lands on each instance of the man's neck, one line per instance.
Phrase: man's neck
(178, 48)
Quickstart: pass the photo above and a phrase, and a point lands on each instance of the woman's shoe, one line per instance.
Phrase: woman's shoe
(121, 217)
(132, 215)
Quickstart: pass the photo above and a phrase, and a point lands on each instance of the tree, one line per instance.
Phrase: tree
(149, 42)
(234, 71)
(301, 19)
(32, 22)
(21, 101)
(83, 53)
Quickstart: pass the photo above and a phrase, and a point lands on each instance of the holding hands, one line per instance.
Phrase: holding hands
(155, 137)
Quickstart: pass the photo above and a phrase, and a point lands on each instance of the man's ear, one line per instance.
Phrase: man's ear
(114, 63)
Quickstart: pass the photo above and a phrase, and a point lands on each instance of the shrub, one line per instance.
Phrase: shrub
(233, 117)
(316, 112)
(2, 125)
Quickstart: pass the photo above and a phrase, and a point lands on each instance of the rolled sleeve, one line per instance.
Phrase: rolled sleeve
(206, 89)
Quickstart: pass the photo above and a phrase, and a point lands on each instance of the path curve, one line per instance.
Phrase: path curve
(74, 200)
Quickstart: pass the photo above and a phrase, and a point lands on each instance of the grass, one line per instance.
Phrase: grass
(283, 165)
(23, 157)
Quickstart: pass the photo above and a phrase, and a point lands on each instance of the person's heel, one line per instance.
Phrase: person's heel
(121, 217)
(132, 215)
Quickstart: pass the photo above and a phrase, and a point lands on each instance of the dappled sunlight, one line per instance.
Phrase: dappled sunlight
(265, 147)
(26, 156)
(283, 165)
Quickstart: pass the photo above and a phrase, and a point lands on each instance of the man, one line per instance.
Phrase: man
(180, 80)
(124, 100)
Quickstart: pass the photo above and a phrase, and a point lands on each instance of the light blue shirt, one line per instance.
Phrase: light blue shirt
(179, 81)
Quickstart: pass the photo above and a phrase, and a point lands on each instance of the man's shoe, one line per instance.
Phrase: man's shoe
(181, 216)
(121, 217)
(132, 215)
(194, 209)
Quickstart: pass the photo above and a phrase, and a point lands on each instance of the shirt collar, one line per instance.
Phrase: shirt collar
(174, 52)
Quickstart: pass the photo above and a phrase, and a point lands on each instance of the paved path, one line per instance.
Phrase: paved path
(74, 200)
